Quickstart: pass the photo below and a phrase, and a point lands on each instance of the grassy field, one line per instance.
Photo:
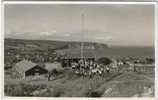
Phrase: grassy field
(125, 84)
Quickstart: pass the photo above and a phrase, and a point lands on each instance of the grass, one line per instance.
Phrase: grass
(124, 84)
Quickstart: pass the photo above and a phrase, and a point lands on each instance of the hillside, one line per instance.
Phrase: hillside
(48, 44)
(100, 50)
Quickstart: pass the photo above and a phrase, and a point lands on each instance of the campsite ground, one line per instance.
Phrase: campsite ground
(124, 84)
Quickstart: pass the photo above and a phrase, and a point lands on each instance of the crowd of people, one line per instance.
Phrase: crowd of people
(89, 68)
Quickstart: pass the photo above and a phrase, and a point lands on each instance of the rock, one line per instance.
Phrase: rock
(107, 92)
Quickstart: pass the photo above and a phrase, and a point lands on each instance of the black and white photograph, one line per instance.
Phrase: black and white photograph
(79, 50)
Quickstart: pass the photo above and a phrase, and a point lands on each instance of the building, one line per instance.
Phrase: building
(27, 68)
(74, 55)
(147, 68)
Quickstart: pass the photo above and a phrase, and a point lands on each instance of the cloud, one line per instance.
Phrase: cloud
(45, 33)
(87, 35)
(48, 33)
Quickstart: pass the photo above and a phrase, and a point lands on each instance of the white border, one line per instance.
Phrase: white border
(2, 48)
(76, 2)
(156, 52)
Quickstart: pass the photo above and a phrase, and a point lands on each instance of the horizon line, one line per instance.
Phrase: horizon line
(109, 45)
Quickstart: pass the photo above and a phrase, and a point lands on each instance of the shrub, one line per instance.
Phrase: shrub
(57, 91)
(13, 90)
(22, 89)
(93, 93)
(104, 61)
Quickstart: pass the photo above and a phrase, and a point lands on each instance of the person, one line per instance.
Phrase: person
(102, 70)
(134, 69)
(107, 69)
(94, 71)
(86, 65)
(81, 62)
(73, 65)
(77, 72)
(91, 63)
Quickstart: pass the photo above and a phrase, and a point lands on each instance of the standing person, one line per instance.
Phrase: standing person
(98, 69)
(73, 65)
(134, 68)
(107, 69)
(101, 69)
(81, 62)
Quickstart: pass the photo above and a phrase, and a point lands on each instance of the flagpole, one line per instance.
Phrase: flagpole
(82, 42)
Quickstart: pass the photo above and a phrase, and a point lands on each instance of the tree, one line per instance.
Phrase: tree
(53, 72)
(149, 60)
(104, 60)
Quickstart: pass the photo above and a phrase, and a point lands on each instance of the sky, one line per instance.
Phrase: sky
(125, 25)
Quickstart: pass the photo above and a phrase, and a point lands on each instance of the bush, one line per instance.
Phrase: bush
(22, 89)
(57, 91)
(38, 90)
(13, 90)
(104, 61)
(94, 94)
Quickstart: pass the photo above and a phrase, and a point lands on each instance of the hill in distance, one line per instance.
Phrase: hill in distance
(52, 44)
